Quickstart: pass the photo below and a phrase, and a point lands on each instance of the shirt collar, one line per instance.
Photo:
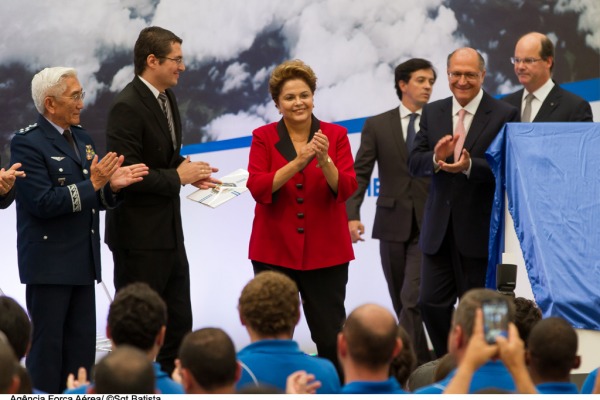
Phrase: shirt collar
(58, 128)
(471, 107)
(405, 112)
(542, 92)
(154, 90)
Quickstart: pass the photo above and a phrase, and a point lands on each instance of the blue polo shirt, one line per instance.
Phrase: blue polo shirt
(270, 362)
(391, 386)
(164, 384)
(557, 388)
(492, 374)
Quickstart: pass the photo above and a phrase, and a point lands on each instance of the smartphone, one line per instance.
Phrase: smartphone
(495, 319)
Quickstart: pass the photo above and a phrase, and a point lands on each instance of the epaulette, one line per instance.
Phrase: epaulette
(23, 131)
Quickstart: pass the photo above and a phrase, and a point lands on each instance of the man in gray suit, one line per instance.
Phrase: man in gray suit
(386, 139)
(542, 100)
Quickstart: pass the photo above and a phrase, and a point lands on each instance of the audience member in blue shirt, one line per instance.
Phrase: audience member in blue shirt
(207, 362)
(269, 309)
(137, 317)
(490, 374)
(552, 354)
(509, 349)
(366, 347)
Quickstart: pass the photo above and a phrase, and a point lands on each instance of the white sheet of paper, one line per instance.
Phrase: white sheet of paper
(233, 185)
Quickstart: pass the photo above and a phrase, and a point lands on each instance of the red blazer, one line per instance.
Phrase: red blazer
(304, 224)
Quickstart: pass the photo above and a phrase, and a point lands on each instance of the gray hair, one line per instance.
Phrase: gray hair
(49, 82)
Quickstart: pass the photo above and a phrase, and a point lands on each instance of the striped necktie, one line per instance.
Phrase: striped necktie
(162, 97)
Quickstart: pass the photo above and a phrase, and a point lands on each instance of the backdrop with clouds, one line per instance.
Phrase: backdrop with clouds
(230, 48)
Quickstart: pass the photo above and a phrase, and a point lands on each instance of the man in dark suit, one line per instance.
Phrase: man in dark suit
(401, 199)
(548, 102)
(145, 235)
(7, 182)
(58, 238)
(455, 229)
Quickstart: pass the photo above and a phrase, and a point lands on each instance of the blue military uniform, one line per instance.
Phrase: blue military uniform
(58, 243)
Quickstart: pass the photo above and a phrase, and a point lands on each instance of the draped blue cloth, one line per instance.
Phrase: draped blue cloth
(551, 175)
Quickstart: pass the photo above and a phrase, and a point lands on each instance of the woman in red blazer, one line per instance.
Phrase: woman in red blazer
(301, 174)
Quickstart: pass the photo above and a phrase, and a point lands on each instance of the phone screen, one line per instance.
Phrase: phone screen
(495, 319)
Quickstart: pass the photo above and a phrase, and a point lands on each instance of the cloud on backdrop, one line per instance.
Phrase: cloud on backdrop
(231, 46)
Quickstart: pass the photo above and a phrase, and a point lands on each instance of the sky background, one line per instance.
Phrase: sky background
(230, 48)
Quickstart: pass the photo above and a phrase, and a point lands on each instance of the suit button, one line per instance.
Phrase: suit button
(60, 170)
(45, 237)
(300, 230)
(300, 215)
(299, 186)
(92, 231)
(93, 211)
(300, 200)
(85, 171)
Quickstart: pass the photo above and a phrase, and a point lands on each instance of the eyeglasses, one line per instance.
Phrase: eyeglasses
(470, 76)
(178, 60)
(75, 97)
(526, 61)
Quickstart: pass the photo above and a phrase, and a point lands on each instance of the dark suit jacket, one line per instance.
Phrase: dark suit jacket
(58, 230)
(7, 199)
(150, 215)
(399, 193)
(560, 106)
(468, 201)
(303, 225)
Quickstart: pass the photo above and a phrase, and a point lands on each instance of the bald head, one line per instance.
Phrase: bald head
(534, 60)
(371, 335)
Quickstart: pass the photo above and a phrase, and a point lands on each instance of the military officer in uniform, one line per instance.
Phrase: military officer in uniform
(58, 242)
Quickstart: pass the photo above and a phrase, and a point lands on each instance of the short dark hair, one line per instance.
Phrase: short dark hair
(404, 71)
(125, 370)
(527, 314)
(270, 304)
(370, 344)
(209, 355)
(464, 315)
(152, 40)
(15, 324)
(552, 347)
(136, 316)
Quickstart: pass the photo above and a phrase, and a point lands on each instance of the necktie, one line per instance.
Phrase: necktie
(526, 117)
(69, 137)
(460, 129)
(410, 132)
(162, 97)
